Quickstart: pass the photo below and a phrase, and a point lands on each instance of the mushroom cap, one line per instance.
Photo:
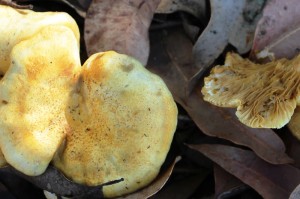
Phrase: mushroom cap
(121, 123)
(18, 25)
(265, 94)
(33, 96)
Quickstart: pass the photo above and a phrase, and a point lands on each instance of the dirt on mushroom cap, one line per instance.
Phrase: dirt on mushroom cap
(265, 94)
(122, 119)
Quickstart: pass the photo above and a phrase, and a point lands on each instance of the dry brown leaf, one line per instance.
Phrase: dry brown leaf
(277, 33)
(226, 185)
(231, 22)
(287, 46)
(271, 181)
(155, 186)
(221, 122)
(171, 59)
(121, 26)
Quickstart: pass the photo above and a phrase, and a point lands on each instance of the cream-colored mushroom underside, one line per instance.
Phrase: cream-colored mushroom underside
(265, 95)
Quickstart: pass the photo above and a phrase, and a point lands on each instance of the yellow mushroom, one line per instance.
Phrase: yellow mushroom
(18, 25)
(109, 120)
(33, 96)
(265, 94)
(121, 123)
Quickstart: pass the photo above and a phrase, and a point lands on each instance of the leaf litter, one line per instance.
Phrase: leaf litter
(226, 184)
(231, 22)
(123, 26)
(271, 181)
(175, 68)
(277, 31)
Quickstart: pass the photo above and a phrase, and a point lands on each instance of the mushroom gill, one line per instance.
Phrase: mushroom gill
(265, 94)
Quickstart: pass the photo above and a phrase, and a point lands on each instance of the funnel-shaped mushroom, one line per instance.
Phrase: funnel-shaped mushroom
(33, 96)
(265, 94)
(121, 123)
(18, 25)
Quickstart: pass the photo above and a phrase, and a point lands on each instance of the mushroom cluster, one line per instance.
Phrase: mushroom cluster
(108, 120)
(265, 95)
